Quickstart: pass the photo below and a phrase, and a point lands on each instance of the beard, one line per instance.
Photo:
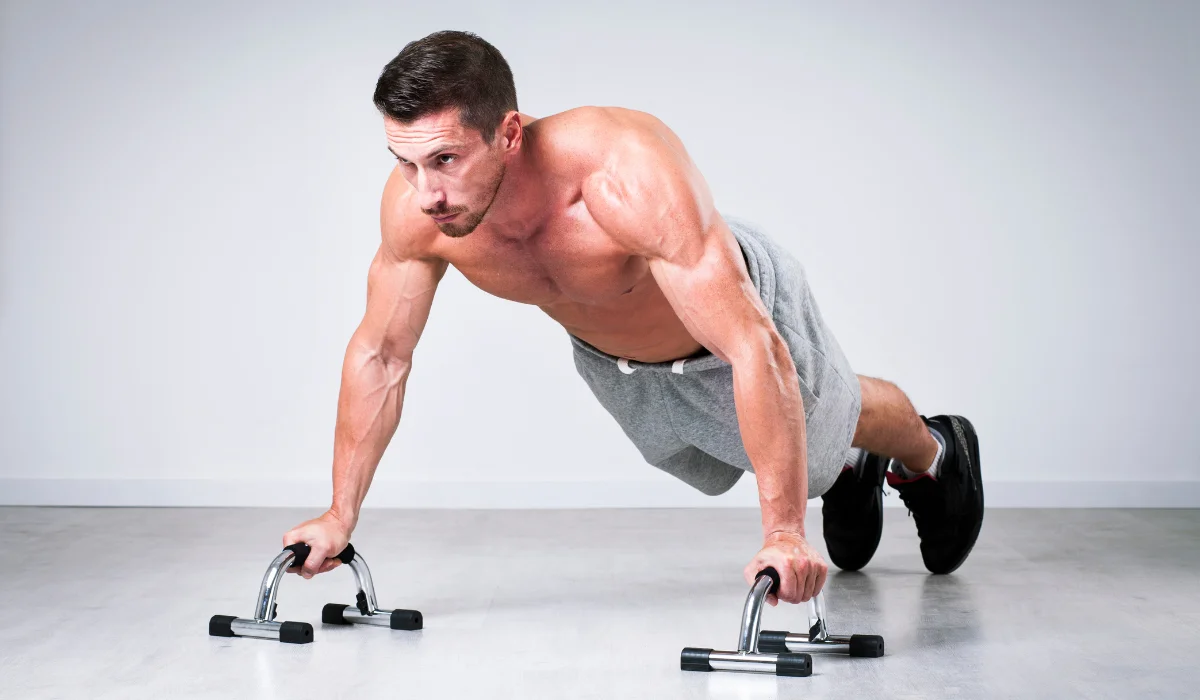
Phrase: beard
(469, 220)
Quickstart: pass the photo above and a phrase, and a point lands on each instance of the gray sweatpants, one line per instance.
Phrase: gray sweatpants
(681, 415)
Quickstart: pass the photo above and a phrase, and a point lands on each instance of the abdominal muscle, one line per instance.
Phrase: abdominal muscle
(640, 325)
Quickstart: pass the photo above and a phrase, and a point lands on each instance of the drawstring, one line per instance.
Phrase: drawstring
(626, 368)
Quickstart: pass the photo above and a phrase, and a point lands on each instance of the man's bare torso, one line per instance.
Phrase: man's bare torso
(561, 259)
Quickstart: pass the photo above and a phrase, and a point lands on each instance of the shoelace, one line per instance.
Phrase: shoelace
(887, 493)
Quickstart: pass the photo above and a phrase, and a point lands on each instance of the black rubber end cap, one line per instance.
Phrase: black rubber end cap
(218, 626)
(692, 659)
(869, 645)
(295, 633)
(331, 614)
(793, 665)
(406, 620)
(772, 642)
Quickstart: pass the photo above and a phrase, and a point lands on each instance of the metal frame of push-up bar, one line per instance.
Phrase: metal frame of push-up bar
(263, 625)
(748, 657)
(779, 653)
(818, 640)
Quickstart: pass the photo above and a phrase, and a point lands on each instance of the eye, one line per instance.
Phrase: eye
(445, 155)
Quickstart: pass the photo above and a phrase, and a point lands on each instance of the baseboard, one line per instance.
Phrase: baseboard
(541, 494)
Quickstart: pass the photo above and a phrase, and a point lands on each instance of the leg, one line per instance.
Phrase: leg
(889, 425)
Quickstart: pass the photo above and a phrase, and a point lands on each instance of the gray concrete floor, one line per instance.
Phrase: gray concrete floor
(114, 603)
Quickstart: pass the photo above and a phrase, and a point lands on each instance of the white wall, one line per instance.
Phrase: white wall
(995, 202)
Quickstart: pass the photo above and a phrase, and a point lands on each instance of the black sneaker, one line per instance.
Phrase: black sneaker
(852, 513)
(949, 508)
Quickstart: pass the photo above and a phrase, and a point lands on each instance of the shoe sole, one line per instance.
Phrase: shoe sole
(965, 433)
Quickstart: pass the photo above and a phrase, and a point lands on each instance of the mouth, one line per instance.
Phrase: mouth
(444, 219)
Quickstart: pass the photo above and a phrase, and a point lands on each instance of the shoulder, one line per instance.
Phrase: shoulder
(407, 233)
(599, 137)
(641, 185)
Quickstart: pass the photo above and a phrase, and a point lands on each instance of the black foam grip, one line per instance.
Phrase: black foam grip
(692, 659)
(301, 551)
(793, 665)
(331, 614)
(218, 626)
(295, 633)
(772, 642)
(869, 645)
(770, 571)
(407, 620)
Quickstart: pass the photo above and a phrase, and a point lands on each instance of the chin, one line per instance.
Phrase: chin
(458, 230)
(455, 232)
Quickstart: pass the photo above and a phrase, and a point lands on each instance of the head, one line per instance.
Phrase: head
(449, 110)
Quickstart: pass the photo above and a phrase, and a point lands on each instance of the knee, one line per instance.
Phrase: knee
(875, 402)
(876, 391)
(873, 392)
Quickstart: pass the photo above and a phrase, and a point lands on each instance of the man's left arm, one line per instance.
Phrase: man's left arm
(652, 198)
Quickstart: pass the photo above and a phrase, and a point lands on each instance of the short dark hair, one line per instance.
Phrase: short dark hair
(448, 69)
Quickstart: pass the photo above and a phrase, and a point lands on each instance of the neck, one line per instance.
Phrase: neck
(519, 203)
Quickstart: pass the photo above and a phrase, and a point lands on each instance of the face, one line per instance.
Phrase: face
(454, 172)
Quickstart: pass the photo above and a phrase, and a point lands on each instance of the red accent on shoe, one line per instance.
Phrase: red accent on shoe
(893, 478)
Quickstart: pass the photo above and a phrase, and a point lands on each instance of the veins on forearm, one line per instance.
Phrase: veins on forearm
(771, 407)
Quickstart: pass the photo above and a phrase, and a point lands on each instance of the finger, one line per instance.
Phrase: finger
(822, 574)
(772, 600)
(795, 581)
(316, 558)
(786, 590)
(330, 565)
(312, 565)
(814, 576)
(788, 594)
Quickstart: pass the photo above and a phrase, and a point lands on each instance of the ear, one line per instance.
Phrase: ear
(511, 134)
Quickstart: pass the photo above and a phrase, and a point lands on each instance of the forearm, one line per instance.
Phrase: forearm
(770, 414)
(369, 406)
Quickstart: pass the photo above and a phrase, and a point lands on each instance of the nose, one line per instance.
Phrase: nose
(429, 196)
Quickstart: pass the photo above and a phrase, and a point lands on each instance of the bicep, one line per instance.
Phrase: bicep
(399, 299)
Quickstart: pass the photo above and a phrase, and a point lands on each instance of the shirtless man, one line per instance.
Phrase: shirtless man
(695, 330)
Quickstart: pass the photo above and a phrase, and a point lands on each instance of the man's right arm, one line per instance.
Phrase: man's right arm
(400, 289)
(375, 372)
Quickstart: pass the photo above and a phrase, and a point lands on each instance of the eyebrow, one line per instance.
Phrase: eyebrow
(431, 154)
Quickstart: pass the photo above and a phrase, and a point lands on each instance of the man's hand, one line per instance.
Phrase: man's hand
(326, 536)
(801, 569)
